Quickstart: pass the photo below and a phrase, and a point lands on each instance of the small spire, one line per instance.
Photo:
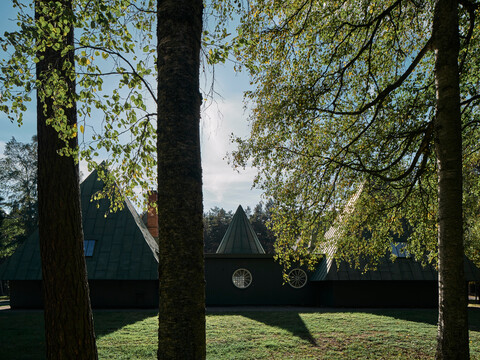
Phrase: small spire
(240, 237)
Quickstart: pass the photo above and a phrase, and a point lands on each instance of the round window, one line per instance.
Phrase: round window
(242, 278)
(297, 278)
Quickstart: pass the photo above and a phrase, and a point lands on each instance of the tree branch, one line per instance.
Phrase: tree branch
(471, 8)
(390, 88)
(129, 64)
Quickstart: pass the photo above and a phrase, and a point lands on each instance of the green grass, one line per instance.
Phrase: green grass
(326, 334)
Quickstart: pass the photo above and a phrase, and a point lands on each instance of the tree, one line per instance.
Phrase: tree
(374, 95)
(18, 194)
(260, 221)
(105, 39)
(113, 50)
(105, 32)
(452, 315)
(13, 232)
(69, 328)
(4, 245)
(18, 178)
(181, 333)
(216, 223)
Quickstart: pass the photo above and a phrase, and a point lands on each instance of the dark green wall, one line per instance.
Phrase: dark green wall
(137, 294)
(378, 293)
(27, 294)
(267, 286)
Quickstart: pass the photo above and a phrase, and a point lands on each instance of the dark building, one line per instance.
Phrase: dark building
(240, 273)
(120, 253)
(121, 257)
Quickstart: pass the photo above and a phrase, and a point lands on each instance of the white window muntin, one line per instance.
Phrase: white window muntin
(297, 278)
(242, 278)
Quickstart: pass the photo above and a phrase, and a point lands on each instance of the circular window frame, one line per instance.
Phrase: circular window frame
(300, 281)
(246, 278)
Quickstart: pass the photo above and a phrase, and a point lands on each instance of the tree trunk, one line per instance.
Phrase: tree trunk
(181, 331)
(69, 328)
(452, 341)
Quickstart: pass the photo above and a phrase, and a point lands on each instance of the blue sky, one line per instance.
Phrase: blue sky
(223, 186)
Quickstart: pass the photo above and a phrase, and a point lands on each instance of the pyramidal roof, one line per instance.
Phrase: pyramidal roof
(240, 237)
(120, 244)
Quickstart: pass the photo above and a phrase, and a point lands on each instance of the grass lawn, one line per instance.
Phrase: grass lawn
(326, 334)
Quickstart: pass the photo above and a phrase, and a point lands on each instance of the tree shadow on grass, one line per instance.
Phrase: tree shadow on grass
(426, 316)
(286, 320)
(109, 321)
(23, 334)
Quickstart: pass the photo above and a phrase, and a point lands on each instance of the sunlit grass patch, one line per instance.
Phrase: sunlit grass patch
(332, 334)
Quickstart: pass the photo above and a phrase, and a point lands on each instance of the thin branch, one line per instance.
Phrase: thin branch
(140, 9)
(134, 72)
(470, 123)
(390, 88)
(471, 8)
(469, 101)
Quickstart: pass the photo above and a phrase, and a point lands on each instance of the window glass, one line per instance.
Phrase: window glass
(398, 249)
(88, 246)
(297, 278)
(242, 278)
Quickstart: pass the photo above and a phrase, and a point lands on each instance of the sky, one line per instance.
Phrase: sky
(223, 186)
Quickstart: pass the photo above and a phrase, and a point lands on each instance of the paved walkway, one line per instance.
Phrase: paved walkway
(219, 309)
(4, 305)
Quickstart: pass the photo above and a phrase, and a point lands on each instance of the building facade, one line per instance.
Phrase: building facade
(122, 259)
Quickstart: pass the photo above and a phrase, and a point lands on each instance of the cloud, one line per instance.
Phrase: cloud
(224, 186)
(83, 167)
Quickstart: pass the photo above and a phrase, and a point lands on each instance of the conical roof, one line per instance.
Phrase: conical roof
(122, 247)
(240, 237)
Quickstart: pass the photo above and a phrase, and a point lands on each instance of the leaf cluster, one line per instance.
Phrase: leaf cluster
(344, 99)
(113, 40)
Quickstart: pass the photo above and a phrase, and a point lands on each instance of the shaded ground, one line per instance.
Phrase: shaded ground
(254, 333)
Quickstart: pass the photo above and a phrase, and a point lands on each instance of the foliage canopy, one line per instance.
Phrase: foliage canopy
(112, 75)
(344, 99)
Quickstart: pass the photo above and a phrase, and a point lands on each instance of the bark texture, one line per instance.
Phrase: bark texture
(69, 328)
(452, 341)
(181, 330)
